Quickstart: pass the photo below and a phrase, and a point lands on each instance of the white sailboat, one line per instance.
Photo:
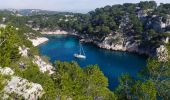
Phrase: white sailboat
(81, 53)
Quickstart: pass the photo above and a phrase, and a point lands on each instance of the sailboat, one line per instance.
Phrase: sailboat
(81, 53)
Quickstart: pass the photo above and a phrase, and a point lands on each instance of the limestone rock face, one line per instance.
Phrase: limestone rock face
(24, 88)
(120, 43)
(162, 53)
(6, 71)
(43, 66)
(167, 40)
(38, 40)
(168, 20)
(56, 32)
(2, 25)
(23, 51)
(113, 42)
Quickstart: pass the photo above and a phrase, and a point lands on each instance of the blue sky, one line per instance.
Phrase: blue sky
(64, 5)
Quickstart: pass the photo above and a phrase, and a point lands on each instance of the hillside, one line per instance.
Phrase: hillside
(140, 27)
(31, 12)
(143, 27)
(24, 74)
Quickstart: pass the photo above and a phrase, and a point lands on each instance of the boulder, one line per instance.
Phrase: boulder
(162, 53)
(43, 66)
(6, 71)
(24, 88)
(23, 51)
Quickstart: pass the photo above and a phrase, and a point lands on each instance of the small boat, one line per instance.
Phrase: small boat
(81, 53)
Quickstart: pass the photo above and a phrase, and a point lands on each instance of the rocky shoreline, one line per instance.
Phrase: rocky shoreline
(121, 45)
(56, 32)
(115, 47)
(161, 52)
(38, 40)
(103, 45)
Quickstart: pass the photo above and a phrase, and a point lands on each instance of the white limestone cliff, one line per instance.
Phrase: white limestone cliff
(162, 53)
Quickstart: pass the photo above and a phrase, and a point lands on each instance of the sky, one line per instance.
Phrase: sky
(82, 6)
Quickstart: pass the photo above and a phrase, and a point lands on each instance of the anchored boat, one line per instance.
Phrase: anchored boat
(81, 53)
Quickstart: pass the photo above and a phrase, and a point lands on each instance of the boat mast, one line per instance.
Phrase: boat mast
(80, 48)
(83, 50)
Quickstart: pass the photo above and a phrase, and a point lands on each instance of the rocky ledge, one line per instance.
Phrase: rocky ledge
(117, 43)
(57, 32)
(19, 86)
(38, 40)
(120, 43)
(43, 66)
(28, 90)
(162, 53)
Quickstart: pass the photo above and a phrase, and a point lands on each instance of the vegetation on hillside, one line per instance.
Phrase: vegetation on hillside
(71, 81)
(141, 22)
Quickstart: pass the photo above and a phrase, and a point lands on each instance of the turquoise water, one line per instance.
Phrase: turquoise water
(112, 63)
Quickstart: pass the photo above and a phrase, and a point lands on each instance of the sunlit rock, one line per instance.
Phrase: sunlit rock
(23, 51)
(43, 66)
(162, 53)
(38, 40)
(24, 88)
(6, 71)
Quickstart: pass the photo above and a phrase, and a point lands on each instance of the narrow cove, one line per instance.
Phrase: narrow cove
(112, 63)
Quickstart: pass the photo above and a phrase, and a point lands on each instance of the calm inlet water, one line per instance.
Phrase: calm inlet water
(112, 63)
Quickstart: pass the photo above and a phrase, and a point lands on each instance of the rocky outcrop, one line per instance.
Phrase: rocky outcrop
(166, 40)
(6, 71)
(168, 21)
(24, 88)
(23, 51)
(123, 45)
(38, 40)
(125, 39)
(43, 66)
(162, 53)
(2, 25)
(113, 42)
(117, 42)
(19, 86)
(56, 32)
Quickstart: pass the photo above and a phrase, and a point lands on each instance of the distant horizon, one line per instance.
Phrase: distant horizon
(75, 6)
(71, 11)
